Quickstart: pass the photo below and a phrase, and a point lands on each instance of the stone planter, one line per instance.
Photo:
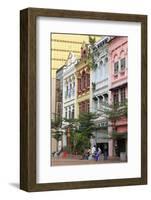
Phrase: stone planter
(123, 156)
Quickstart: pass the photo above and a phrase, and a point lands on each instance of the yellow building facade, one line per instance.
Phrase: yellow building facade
(82, 102)
(61, 46)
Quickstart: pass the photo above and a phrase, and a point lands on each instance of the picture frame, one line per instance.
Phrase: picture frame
(28, 98)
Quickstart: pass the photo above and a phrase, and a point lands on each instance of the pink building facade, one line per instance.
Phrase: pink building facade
(118, 92)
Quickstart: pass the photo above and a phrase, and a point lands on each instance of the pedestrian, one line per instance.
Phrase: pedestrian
(98, 153)
(89, 153)
(93, 151)
(86, 154)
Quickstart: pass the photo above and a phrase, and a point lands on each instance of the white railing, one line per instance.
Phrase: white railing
(101, 84)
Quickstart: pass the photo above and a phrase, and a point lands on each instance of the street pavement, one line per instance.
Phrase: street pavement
(62, 161)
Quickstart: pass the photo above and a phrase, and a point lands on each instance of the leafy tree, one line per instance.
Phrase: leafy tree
(80, 132)
(57, 135)
(55, 128)
(114, 112)
(71, 126)
(92, 40)
(82, 143)
(91, 59)
(56, 122)
(86, 123)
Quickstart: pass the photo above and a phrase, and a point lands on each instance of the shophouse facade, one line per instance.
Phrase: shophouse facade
(59, 90)
(118, 91)
(82, 103)
(58, 104)
(69, 91)
(99, 92)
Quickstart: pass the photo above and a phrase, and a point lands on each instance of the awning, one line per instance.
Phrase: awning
(118, 87)
(116, 135)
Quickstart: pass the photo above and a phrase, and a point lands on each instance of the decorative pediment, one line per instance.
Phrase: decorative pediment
(84, 50)
(85, 70)
(71, 59)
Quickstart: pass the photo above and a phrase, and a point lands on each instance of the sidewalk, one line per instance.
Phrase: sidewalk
(69, 161)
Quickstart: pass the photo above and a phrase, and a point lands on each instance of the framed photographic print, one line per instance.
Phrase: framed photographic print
(83, 99)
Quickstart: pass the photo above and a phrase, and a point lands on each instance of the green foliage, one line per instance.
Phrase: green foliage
(93, 85)
(114, 112)
(91, 60)
(86, 124)
(68, 149)
(56, 122)
(124, 108)
(57, 135)
(55, 128)
(78, 143)
(115, 134)
(80, 132)
(92, 40)
(83, 142)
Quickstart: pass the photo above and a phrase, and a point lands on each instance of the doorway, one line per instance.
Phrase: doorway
(121, 146)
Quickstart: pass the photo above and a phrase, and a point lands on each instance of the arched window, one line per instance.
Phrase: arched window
(122, 64)
(83, 80)
(116, 64)
(88, 79)
(122, 60)
(66, 93)
(116, 67)
(106, 59)
(70, 89)
(69, 112)
(73, 89)
(87, 106)
(116, 97)
(65, 112)
(105, 67)
(73, 112)
(97, 76)
(79, 85)
(101, 70)
(122, 53)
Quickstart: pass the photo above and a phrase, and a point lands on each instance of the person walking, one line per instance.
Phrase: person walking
(98, 154)
(93, 151)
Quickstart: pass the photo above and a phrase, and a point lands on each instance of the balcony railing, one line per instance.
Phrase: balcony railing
(119, 75)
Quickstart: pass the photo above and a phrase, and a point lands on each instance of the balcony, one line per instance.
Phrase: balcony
(120, 75)
(99, 85)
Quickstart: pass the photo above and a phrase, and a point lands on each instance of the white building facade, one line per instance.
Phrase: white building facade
(69, 91)
(100, 92)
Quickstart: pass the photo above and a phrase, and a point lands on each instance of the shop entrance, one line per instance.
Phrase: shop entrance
(121, 146)
(103, 147)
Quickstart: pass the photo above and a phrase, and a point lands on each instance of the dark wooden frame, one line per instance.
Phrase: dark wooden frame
(28, 98)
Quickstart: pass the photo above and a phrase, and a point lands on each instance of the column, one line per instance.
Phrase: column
(64, 139)
(66, 91)
(67, 112)
(63, 97)
(98, 103)
(119, 96)
(111, 142)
